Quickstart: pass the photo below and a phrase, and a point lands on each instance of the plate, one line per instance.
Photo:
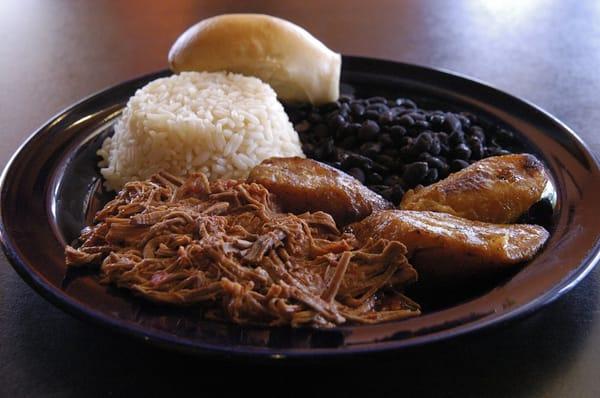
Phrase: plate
(51, 183)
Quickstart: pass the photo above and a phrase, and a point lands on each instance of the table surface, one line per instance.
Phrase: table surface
(548, 52)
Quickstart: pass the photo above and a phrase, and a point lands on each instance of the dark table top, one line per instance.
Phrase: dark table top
(548, 52)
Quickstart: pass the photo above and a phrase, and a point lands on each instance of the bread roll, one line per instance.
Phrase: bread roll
(298, 66)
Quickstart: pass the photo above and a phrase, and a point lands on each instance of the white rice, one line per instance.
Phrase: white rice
(221, 124)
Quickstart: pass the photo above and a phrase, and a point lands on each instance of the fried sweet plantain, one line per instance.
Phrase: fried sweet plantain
(498, 189)
(445, 247)
(306, 185)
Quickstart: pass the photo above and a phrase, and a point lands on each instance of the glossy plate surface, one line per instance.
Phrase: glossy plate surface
(52, 182)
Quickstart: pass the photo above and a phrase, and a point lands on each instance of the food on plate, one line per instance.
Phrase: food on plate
(446, 247)
(392, 145)
(220, 124)
(265, 250)
(227, 245)
(298, 66)
(307, 185)
(497, 190)
(219, 210)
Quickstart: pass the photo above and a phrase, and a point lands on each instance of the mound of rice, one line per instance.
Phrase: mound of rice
(221, 124)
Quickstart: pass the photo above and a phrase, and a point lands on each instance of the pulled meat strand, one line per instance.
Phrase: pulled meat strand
(226, 245)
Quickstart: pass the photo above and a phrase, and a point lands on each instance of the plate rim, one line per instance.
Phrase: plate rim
(63, 301)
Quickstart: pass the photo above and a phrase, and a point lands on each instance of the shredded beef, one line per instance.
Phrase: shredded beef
(227, 246)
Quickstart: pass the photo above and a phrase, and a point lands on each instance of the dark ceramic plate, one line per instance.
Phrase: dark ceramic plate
(51, 186)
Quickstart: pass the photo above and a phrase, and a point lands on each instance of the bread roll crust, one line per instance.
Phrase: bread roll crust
(298, 66)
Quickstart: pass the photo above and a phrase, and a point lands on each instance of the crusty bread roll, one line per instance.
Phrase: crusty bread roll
(298, 66)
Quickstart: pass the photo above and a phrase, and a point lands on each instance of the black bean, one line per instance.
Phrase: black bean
(472, 118)
(406, 103)
(385, 139)
(309, 138)
(356, 160)
(372, 115)
(315, 117)
(415, 172)
(457, 137)
(335, 121)
(368, 130)
(357, 173)
(397, 132)
(477, 132)
(391, 137)
(331, 106)
(377, 100)
(344, 132)
(379, 107)
(318, 153)
(321, 130)
(430, 177)
(386, 118)
(349, 142)
(303, 126)
(421, 125)
(357, 109)
(490, 151)
(444, 149)
(392, 179)
(345, 109)
(432, 161)
(458, 164)
(461, 151)
(331, 114)
(451, 123)
(386, 161)
(443, 172)
(406, 121)
(476, 148)
(406, 140)
(308, 149)
(374, 178)
(435, 147)
(340, 132)
(296, 116)
(442, 137)
(328, 149)
(352, 128)
(423, 142)
(417, 116)
(500, 152)
(396, 110)
(436, 121)
(387, 193)
(381, 169)
(370, 149)
(413, 131)
(397, 193)
(338, 154)
(407, 152)
(464, 121)
(392, 151)
(504, 136)
(378, 188)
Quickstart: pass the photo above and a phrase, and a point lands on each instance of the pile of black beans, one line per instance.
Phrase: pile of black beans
(393, 145)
